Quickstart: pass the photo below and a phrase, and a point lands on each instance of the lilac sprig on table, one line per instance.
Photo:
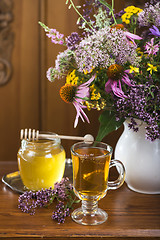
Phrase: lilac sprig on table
(61, 212)
(63, 193)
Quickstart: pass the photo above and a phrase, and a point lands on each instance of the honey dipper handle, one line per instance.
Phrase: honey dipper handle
(35, 135)
(86, 138)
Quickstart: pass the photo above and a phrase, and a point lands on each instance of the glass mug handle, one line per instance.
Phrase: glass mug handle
(121, 170)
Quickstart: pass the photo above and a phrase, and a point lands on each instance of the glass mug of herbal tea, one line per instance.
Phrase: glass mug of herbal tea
(41, 162)
(91, 164)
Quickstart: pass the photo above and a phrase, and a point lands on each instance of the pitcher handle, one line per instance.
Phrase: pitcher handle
(120, 180)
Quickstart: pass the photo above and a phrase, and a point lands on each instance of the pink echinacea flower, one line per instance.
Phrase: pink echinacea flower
(115, 76)
(76, 95)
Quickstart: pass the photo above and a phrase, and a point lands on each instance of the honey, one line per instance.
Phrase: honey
(41, 163)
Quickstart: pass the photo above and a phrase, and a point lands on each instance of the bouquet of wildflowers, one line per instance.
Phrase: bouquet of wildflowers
(113, 66)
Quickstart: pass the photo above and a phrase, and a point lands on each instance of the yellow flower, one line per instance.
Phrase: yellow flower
(96, 104)
(140, 10)
(133, 69)
(123, 19)
(137, 10)
(86, 71)
(129, 9)
(151, 68)
(126, 16)
(94, 94)
(72, 78)
(133, 10)
(127, 21)
(129, 12)
(138, 50)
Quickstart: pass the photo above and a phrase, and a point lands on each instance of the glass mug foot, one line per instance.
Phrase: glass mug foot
(98, 217)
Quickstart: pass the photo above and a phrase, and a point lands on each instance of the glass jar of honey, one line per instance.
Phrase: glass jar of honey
(41, 162)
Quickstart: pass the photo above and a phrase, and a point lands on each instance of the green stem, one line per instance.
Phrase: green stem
(113, 13)
(44, 26)
(80, 15)
(110, 8)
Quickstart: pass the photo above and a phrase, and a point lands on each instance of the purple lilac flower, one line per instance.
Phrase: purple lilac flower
(89, 8)
(155, 31)
(96, 50)
(55, 36)
(43, 197)
(92, 6)
(87, 11)
(52, 74)
(64, 61)
(61, 213)
(72, 40)
(141, 102)
(133, 125)
(29, 201)
(150, 16)
(117, 15)
(151, 2)
(60, 188)
(49, 74)
(151, 48)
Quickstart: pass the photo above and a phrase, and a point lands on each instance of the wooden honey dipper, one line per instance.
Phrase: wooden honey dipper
(29, 134)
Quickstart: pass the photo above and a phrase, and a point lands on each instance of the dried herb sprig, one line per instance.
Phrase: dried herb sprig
(63, 193)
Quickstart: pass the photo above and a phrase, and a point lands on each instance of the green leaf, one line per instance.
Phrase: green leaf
(108, 124)
(119, 21)
(78, 20)
(77, 201)
(69, 7)
(67, 1)
(105, 3)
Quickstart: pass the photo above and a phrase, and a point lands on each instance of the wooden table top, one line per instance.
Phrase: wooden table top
(131, 216)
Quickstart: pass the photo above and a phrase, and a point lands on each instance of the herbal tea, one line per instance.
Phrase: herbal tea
(90, 171)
